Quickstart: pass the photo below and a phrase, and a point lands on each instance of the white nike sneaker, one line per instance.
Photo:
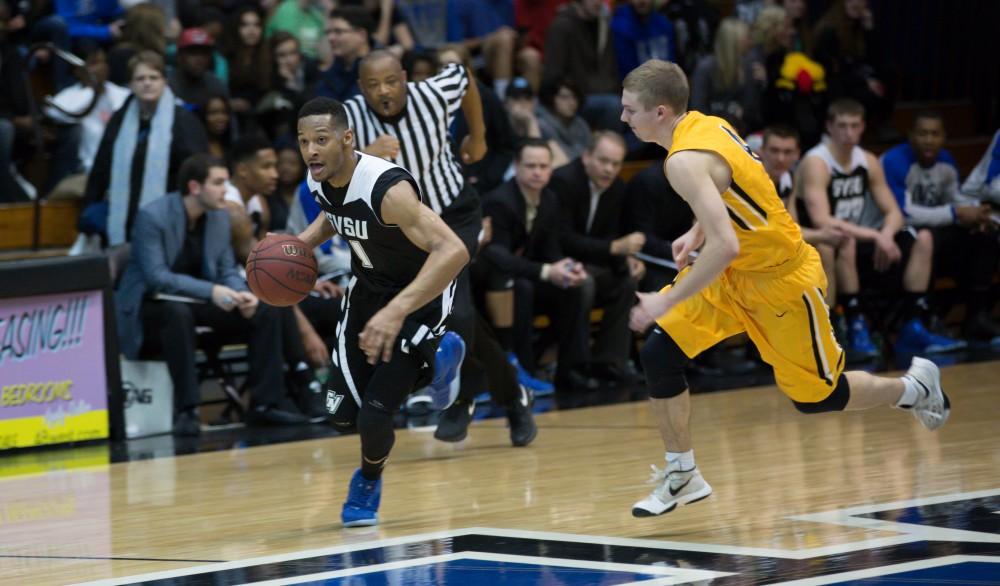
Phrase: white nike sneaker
(932, 407)
(676, 487)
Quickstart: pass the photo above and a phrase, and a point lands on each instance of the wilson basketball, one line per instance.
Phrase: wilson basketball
(281, 270)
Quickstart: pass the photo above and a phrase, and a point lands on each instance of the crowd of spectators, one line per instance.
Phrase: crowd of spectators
(165, 80)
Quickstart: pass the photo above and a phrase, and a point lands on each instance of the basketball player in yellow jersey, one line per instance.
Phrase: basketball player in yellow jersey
(754, 274)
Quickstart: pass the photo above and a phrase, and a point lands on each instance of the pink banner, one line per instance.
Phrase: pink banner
(53, 385)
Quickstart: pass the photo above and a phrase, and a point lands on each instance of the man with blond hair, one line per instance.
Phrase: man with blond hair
(754, 274)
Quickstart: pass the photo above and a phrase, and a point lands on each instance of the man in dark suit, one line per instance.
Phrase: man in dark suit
(180, 247)
(654, 208)
(591, 197)
(525, 266)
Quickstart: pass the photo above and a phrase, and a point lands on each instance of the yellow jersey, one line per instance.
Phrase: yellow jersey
(768, 235)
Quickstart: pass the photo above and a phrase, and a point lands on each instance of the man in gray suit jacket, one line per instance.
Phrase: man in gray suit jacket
(180, 247)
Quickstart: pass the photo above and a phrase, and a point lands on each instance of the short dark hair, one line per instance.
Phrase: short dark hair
(246, 147)
(281, 37)
(844, 107)
(414, 56)
(196, 168)
(780, 131)
(550, 87)
(927, 115)
(324, 107)
(356, 16)
(531, 143)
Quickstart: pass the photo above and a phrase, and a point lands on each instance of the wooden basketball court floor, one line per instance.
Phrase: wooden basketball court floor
(826, 499)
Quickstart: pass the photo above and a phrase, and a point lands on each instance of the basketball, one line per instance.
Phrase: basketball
(281, 270)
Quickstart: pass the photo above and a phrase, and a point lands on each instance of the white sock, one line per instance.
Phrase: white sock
(680, 460)
(911, 393)
(500, 87)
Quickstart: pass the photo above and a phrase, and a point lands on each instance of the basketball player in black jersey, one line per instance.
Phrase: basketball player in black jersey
(404, 260)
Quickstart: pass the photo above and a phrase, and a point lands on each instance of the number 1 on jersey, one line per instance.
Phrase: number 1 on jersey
(362, 255)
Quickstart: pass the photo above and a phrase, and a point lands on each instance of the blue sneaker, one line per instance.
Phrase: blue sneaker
(526, 380)
(860, 341)
(447, 379)
(914, 338)
(361, 507)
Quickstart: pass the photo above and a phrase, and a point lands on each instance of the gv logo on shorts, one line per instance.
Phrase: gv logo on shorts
(333, 401)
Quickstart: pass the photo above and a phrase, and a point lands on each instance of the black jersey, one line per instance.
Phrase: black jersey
(383, 259)
(848, 191)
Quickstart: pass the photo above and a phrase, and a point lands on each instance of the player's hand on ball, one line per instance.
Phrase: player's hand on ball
(379, 335)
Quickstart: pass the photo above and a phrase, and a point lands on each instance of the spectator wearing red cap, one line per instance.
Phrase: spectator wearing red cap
(192, 81)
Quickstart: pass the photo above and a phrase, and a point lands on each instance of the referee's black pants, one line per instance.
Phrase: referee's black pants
(486, 365)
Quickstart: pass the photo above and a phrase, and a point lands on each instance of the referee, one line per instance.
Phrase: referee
(408, 124)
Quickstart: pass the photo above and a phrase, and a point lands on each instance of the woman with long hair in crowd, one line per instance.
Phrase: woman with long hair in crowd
(726, 83)
(249, 58)
(559, 116)
(144, 30)
(217, 117)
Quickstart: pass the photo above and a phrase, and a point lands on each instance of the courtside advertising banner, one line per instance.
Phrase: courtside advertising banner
(53, 384)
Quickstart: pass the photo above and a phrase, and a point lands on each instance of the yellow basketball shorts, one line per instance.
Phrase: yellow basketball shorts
(783, 313)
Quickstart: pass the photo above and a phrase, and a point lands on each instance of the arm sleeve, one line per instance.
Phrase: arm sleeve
(919, 215)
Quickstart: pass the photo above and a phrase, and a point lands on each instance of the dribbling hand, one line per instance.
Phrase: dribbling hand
(379, 335)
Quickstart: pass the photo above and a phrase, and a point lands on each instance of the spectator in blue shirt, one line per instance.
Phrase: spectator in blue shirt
(100, 20)
(486, 27)
(641, 34)
(924, 179)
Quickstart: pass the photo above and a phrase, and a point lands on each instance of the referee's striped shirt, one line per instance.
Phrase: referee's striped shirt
(422, 131)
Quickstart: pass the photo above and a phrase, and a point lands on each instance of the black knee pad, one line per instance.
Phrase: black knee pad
(664, 363)
(836, 401)
(375, 427)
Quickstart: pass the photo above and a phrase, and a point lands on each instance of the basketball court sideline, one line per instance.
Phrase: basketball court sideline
(866, 497)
